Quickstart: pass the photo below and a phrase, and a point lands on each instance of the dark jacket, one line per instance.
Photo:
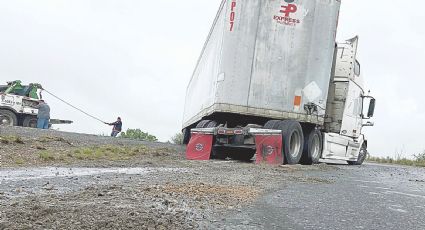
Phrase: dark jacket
(117, 126)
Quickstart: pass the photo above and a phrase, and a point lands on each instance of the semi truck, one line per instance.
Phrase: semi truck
(272, 81)
(18, 105)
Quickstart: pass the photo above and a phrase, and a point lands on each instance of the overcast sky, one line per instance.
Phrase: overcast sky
(134, 58)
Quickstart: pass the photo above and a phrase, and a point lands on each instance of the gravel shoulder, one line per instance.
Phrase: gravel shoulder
(56, 180)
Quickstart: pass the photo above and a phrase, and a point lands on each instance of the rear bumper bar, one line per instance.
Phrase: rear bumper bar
(268, 143)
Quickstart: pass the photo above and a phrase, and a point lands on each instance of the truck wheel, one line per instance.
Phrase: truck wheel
(312, 148)
(8, 118)
(211, 124)
(272, 124)
(30, 121)
(203, 124)
(362, 156)
(186, 132)
(293, 141)
(186, 136)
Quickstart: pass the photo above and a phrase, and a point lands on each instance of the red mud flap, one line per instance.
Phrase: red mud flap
(269, 147)
(200, 146)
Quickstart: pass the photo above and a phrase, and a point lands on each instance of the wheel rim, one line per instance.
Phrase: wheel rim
(315, 148)
(295, 144)
(5, 120)
(362, 153)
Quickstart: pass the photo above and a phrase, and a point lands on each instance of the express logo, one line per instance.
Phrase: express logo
(287, 10)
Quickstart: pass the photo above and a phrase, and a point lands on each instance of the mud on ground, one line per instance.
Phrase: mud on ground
(53, 180)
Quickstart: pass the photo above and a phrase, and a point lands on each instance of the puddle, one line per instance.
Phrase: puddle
(51, 172)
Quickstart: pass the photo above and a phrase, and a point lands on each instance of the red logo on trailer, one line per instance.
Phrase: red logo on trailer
(269, 149)
(287, 10)
(200, 146)
(232, 14)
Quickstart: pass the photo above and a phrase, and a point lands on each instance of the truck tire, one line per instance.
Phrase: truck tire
(203, 124)
(186, 136)
(272, 124)
(362, 156)
(30, 121)
(293, 141)
(8, 118)
(211, 124)
(186, 132)
(313, 147)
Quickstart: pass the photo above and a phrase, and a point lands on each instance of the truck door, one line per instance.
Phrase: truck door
(352, 121)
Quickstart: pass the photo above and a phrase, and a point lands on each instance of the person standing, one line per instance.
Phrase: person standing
(117, 127)
(43, 116)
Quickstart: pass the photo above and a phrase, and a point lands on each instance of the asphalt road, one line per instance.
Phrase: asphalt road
(339, 197)
(367, 197)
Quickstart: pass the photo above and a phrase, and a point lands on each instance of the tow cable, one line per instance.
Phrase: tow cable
(69, 104)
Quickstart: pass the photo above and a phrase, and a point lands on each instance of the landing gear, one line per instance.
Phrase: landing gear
(8, 118)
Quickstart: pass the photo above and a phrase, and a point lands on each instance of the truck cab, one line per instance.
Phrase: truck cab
(18, 104)
(347, 100)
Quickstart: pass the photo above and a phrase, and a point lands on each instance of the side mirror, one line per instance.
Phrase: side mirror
(371, 110)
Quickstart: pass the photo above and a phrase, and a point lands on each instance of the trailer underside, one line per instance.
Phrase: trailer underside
(275, 142)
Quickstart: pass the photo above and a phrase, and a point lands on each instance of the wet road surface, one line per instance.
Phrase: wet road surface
(366, 197)
(346, 197)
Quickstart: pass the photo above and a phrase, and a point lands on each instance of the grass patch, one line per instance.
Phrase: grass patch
(418, 162)
(4, 141)
(47, 156)
(47, 139)
(109, 152)
(11, 140)
(19, 140)
(19, 161)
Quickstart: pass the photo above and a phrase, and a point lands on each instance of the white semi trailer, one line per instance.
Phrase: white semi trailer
(272, 67)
